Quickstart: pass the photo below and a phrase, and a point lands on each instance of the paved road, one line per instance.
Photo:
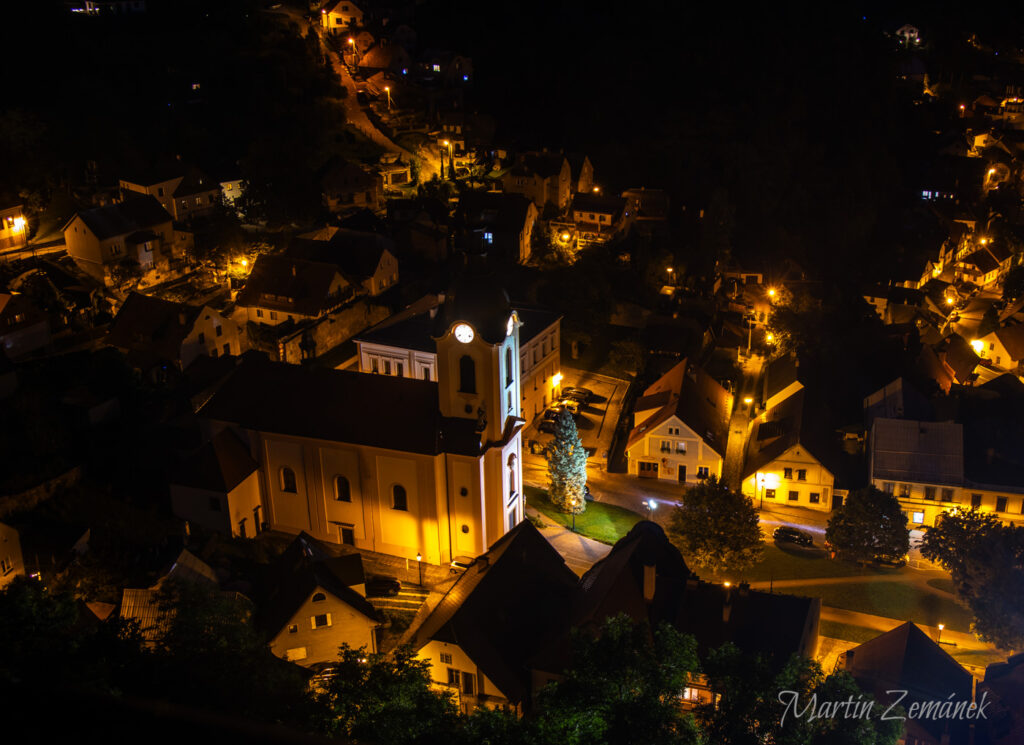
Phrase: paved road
(580, 553)
(740, 422)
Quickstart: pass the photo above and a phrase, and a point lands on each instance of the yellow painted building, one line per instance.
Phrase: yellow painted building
(407, 467)
(13, 227)
(681, 427)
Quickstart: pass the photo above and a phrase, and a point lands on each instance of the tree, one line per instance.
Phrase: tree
(989, 322)
(567, 466)
(1013, 282)
(378, 698)
(622, 686)
(986, 561)
(717, 528)
(754, 694)
(869, 525)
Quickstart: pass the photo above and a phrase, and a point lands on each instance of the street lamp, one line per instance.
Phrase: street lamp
(352, 43)
(771, 292)
(419, 566)
(940, 627)
(387, 90)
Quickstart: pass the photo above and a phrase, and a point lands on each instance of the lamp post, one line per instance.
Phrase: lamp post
(387, 90)
(574, 504)
(419, 566)
(352, 43)
(940, 627)
(760, 490)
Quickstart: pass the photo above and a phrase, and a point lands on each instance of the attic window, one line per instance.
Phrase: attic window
(319, 597)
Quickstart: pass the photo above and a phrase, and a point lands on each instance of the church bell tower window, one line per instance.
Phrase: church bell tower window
(467, 374)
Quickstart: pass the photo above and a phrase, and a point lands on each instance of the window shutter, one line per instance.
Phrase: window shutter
(328, 619)
(312, 622)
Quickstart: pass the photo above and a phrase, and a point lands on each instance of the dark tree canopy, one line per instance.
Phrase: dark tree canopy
(870, 525)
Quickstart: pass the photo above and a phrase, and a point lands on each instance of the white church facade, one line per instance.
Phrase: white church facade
(402, 466)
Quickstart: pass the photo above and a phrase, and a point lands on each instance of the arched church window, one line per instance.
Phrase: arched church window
(342, 489)
(288, 481)
(508, 366)
(512, 473)
(467, 375)
(399, 499)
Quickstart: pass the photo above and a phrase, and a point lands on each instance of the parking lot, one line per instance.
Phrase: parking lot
(596, 421)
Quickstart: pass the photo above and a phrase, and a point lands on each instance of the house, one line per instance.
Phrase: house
(393, 172)
(184, 196)
(1003, 347)
(138, 230)
(346, 186)
(340, 16)
(385, 56)
(896, 400)
(922, 463)
(506, 606)
(401, 346)
(680, 427)
(645, 577)
(781, 380)
(13, 227)
(284, 288)
(949, 361)
(217, 489)
(791, 457)
(12, 563)
(397, 465)
(908, 666)
(314, 602)
(543, 178)
(143, 605)
(366, 260)
(24, 328)
(498, 223)
(155, 333)
(581, 173)
(446, 67)
(649, 205)
(599, 219)
(1003, 686)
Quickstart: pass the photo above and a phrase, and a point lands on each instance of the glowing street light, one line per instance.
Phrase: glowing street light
(419, 565)
(748, 400)
(978, 346)
(941, 626)
(387, 90)
(352, 43)
(556, 379)
(19, 224)
(771, 292)
(949, 301)
(769, 337)
(565, 237)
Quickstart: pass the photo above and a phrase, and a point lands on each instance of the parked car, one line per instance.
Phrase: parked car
(379, 586)
(547, 425)
(583, 395)
(573, 407)
(787, 534)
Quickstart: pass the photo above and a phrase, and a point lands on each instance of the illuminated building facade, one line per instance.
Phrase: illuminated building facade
(403, 466)
(13, 227)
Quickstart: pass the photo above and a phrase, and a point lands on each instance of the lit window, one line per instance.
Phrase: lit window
(488, 237)
(918, 518)
(437, 67)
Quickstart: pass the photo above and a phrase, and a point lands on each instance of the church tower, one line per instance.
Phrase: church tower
(478, 378)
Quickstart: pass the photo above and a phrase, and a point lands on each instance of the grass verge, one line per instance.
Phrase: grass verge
(602, 522)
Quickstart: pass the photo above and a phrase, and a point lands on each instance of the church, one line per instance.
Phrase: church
(403, 466)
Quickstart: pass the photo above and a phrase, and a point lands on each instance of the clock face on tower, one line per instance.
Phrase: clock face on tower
(510, 326)
(464, 333)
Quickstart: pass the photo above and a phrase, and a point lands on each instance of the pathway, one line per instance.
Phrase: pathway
(740, 422)
(580, 553)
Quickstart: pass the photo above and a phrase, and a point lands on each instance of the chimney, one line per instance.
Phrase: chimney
(650, 579)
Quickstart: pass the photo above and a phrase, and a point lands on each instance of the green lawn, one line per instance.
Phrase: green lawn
(946, 585)
(794, 563)
(890, 600)
(602, 522)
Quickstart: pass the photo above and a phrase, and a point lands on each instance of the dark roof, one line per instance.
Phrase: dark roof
(795, 421)
(779, 374)
(504, 607)
(220, 465)
(341, 406)
(918, 452)
(354, 253)
(687, 392)
(907, 659)
(302, 568)
(289, 284)
(758, 622)
(956, 352)
(605, 205)
(151, 325)
(534, 321)
(133, 214)
(500, 212)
